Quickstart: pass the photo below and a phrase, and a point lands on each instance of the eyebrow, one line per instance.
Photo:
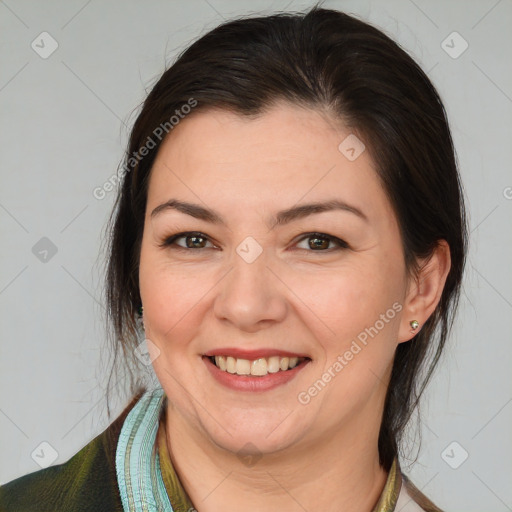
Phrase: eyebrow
(281, 218)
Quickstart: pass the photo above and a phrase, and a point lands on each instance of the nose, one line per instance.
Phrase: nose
(251, 297)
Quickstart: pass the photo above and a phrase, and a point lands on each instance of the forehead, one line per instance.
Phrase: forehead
(287, 154)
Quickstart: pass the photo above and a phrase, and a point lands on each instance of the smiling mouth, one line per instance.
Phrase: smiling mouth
(256, 367)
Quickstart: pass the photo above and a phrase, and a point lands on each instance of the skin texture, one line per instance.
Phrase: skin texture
(291, 297)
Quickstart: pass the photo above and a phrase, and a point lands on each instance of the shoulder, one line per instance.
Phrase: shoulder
(411, 499)
(86, 482)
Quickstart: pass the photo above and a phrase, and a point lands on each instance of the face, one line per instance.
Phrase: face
(276, 322)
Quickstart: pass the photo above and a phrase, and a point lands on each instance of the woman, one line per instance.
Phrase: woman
(290, 230)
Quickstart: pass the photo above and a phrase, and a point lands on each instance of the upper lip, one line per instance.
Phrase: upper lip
(251, 355)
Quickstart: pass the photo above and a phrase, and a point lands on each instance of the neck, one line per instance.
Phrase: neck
(345, 466)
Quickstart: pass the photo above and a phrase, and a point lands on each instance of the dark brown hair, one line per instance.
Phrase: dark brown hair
(323, 60)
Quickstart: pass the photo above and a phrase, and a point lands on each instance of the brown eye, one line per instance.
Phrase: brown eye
(319, 242)
(193, 240)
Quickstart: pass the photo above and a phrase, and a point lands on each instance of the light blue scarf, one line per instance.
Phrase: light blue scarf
(138, 471)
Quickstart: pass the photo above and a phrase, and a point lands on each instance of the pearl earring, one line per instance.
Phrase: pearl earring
(414, 324)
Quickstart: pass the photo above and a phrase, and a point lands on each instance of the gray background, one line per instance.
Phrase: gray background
(64, 124)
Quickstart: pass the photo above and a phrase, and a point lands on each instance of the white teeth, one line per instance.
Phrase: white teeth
(257, 367)
(220, 361)
(231, 365)
(243, 367)
(273, 364)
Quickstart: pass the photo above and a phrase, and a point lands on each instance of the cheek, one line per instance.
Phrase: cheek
(361, 307)
(351, 299)
(172, 298)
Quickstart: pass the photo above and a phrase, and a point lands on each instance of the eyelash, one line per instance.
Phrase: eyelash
(170, 241)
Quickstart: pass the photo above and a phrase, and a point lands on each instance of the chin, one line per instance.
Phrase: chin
(249, 433)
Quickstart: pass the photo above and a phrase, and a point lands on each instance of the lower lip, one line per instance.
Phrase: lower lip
(250, 383)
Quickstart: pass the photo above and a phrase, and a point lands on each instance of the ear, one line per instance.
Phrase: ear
(425, 290)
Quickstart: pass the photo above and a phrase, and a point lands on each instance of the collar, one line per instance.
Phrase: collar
(178, 496)
(139, 475)
(391, 491)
